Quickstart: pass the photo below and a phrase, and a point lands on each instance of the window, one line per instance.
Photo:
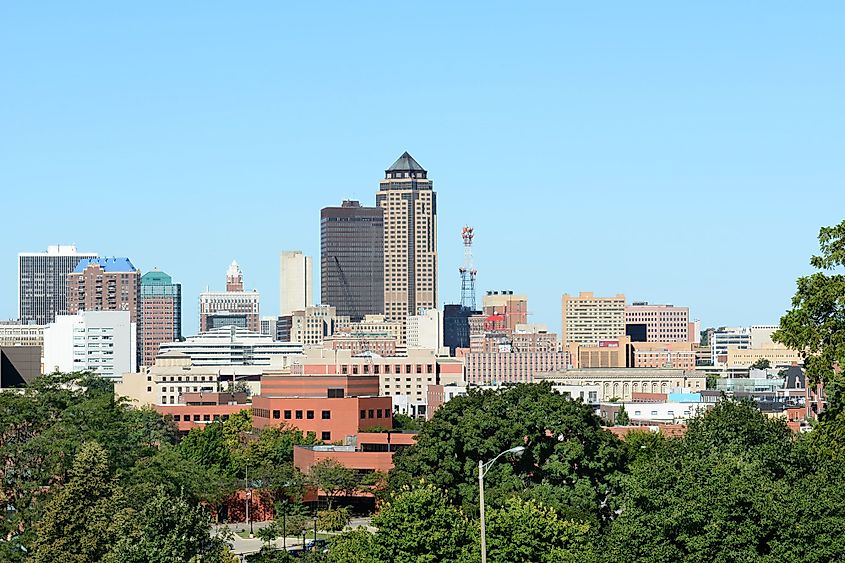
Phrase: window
(177, 418)
(363, 414)
(378, 413)
(298, 415)
(196, 417)
(206, 417)
(371, 413)
(309, 415)
(277, 414)
(327, 415)
(287, 415)
(326, 436)
(335, 393)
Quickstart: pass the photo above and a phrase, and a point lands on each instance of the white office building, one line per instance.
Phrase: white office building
(425, 330)
(737, 338)
(103, 342)
(234, 346)
(296, 279)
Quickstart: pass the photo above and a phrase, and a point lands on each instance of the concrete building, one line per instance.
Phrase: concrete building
(310, 326)
(233, 307)
(42, 282)
(19, 365)
(175, 374)
(621, 383)
(778, 356)
(161, 314)
(502, 368)
(588, 319)
(608, 353)
(104, 284)
(13, 333)
(410, 240)
(296, 282)
(233, 346)
(425, 330)
(269, 326)
(723, 338)
(405, 379)
(102, 342)
(357, 343)
(662, 323)
(514, 308)
(676, 355)
(352, 259)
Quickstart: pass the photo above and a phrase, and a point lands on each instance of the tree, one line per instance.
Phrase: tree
(420, 525)
(622, 417)
(761, 363)
(528, 531)
(570, 463)
(357, 545)
(815, 325)
(76, 521)
(333, 478)
(333, 520)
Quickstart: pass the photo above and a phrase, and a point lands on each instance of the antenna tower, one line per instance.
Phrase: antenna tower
(468, 271)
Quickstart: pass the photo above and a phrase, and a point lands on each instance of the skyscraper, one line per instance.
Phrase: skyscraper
(233, 307)
(104, 284)
(296, 279)
(42, 282)
(161, 314)
(352, 259)
(410, 239)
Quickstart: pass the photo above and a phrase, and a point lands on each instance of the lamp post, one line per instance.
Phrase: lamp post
(483, 468)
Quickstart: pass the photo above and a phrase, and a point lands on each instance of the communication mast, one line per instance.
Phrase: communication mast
(468, 271)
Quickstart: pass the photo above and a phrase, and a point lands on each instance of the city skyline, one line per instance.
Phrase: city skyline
(711, 158)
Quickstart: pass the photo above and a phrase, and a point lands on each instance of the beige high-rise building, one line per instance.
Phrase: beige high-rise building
(588, 319)
(295, 282)
(410, 240)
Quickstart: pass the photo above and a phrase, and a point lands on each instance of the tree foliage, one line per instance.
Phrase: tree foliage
(570, 463)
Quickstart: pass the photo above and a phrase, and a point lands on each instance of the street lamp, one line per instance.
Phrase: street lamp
(483, 468)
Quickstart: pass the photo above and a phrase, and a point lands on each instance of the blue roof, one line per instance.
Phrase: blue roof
(107, 264)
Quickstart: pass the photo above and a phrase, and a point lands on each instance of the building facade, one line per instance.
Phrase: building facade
(311, 325)
(456, 329)
(161, 314)
(425, 330)
(352, 259)
(233, 346)
(674, 355)
(587, 319)
(409, 202)
(513, 308)
(663, 323)
(42, 282)
(723, 338)
(503, 368)
(233, 307)
(18, 334)
(102, 342)
(622, 383)
(296, 282)
(104, 284)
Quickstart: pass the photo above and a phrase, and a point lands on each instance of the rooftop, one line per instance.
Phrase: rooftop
(405, 163)
(107, 264)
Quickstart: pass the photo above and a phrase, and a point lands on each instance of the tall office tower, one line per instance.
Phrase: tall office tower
(587, 319)
(410, 240)
(352, 259)
(104, 284)
(161, 314)
(296, 279)
(658, 323)
(233, 307)
(42, 282)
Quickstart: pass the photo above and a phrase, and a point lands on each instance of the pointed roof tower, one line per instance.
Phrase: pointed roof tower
(234, 277)
(405, 167)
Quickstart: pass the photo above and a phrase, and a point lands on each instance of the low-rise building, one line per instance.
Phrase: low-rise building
(778, 356)
(675, 355)
(230, 346)
(620, 384)
(509, 367)
(102, 342)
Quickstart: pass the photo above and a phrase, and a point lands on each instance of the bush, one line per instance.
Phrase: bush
(333, 520)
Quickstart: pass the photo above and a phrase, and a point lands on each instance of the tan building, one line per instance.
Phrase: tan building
(104, 284)
(410, 240)
(621, 383)
(662, 323)
(676, 355)
(588, 319)
(778, 356)
(514, 308)
(606, 354)
(174, 374)
(310, 326)
(16, 334)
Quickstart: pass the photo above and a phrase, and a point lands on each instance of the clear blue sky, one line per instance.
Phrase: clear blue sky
(675, 152)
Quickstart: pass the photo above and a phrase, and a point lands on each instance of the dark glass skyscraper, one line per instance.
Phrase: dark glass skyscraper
(352, 259)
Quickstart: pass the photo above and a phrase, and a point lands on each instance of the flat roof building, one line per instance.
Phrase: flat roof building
(42, 282)
(587, 319)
